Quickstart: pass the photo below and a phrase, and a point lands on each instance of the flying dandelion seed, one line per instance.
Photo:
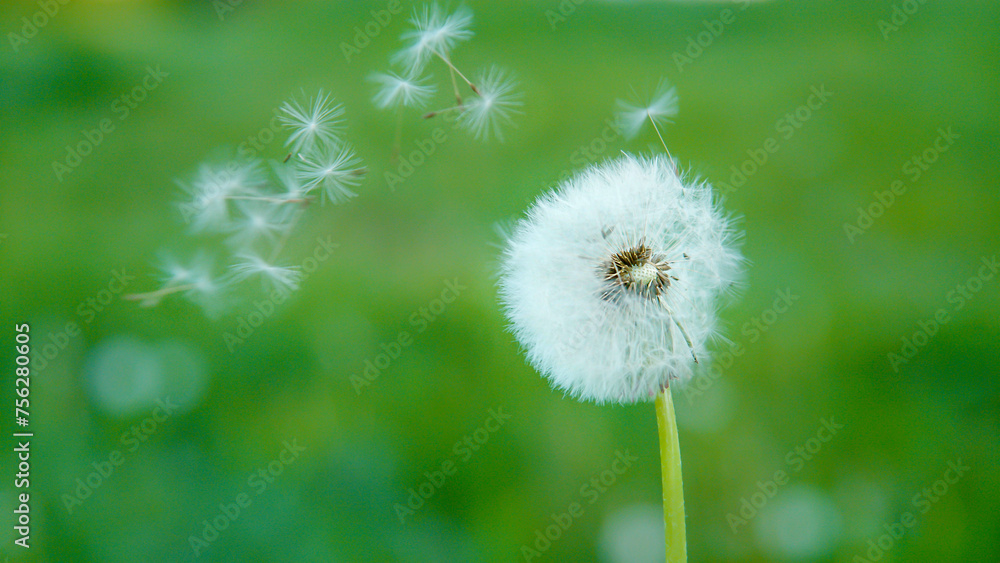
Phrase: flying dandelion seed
(485, 115)
(433, 34)
(658, 110)
(314, 123)
(333, 169)
(279, 277)
(396, 91)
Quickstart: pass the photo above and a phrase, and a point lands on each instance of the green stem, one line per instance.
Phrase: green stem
(673, 486)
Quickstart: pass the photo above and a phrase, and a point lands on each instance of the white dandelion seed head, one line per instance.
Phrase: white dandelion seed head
(611, 281)
(313, 123)
(279, 277)
(660, 108)
(395, 91)
(485, 115)
(434, 33)
(333, 169)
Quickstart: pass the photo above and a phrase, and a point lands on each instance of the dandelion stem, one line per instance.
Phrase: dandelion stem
(270, 199)
(673, 487)
(662, 142)
(454, 85)
(153, 298)
(431, 114)
(455, 70)
(398, 139)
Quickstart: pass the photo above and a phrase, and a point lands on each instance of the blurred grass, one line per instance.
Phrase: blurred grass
(825, 357)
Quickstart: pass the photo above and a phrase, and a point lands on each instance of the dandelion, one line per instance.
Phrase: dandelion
(198, 271)
(280, 277)
(260, 220)
(333, 169)
(434, 34)
(395, 91)
(497, 102)
(610, 285)
(312, 124)
(213, 189)
(658, 111)
(195, 280)
(258, 209)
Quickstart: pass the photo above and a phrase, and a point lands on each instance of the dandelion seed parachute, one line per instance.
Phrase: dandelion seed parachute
(279, 277)
(334, 169)
(659, 109)
(433, 33)
(611, 281)
(395, 90)
(317, 122)
(486, 114)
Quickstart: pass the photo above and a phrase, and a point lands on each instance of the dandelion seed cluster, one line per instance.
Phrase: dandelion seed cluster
(434, 35)
(611, 281)
(256, 206)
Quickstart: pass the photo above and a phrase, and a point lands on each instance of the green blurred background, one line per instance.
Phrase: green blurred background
(824, 359)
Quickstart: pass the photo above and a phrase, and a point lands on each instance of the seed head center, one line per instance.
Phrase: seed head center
(644, 274)
(637, 270)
